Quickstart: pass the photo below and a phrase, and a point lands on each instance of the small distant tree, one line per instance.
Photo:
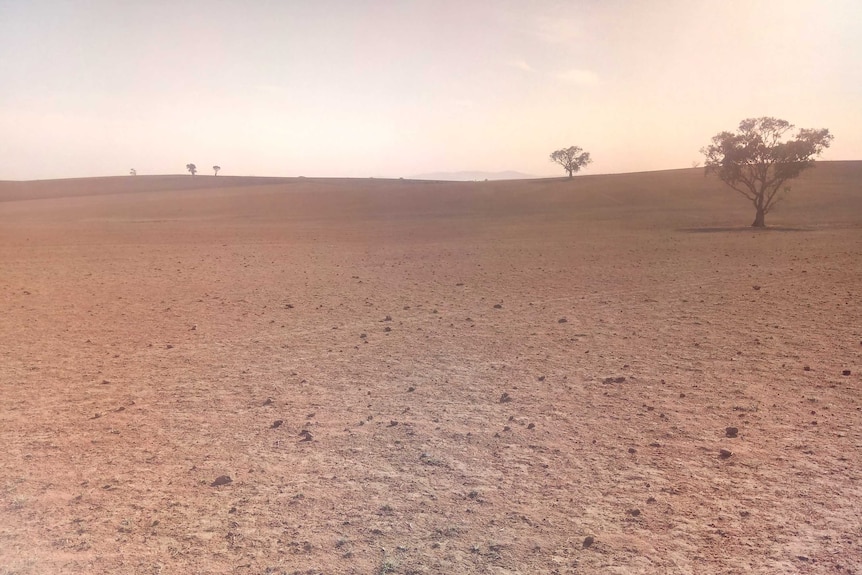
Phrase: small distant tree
(755, 161)
(133, 172)
(216, 169)
(572, 159)
(193, 169)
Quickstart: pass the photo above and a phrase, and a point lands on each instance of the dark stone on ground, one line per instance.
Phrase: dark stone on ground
(221, 480)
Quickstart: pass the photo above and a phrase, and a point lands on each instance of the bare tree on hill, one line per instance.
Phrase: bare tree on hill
(193, 169)
(572, 159)
(755, 161)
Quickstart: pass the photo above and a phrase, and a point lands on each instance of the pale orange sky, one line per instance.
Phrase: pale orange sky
(389, 89)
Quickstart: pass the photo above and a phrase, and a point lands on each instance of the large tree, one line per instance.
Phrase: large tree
(756, 161)
(572, 159)
(193, 169)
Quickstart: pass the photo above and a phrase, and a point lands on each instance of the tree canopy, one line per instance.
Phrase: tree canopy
(756, 162)
(193, 169)
(572, 159)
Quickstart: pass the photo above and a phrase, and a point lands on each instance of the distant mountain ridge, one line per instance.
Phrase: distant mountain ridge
(473, 176)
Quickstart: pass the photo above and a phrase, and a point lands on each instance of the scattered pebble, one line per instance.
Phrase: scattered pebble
(305, 435)
(505, 398)
(731, 431)
(724, 453)
(498, 306)
(634, 512)
(221, 480)
(531, 426)
(588, 540)
(845, 372)
(562, 320)
(268, 401)
(277, 423)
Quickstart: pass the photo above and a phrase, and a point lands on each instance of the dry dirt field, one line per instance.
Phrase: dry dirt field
(422, 377)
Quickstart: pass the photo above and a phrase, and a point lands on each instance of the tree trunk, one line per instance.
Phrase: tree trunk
(570, 173)
(759, 218)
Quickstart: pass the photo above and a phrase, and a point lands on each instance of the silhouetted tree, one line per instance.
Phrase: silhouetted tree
(572, 159)
(756, 163)
(216, 169)
(133, 172)
(193, 169)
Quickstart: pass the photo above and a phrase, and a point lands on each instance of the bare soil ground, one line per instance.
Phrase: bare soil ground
(402, 377)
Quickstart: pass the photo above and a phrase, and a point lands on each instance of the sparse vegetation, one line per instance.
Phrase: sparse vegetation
(216, 169)
(572, 159)
(193, 169)
(755, 161)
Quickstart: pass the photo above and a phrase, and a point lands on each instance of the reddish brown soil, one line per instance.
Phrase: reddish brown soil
(491, 374)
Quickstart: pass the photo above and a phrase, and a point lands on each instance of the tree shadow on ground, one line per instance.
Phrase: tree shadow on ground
(713, 230)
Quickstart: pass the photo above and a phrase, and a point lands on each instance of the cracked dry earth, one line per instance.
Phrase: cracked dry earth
(468, 379)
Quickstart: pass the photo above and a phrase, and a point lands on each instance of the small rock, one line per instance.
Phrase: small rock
(305, 435)
(632, 450)
(531, 426)
(724, 453)
(731, 431)
(268, 401)
(807, 368)
(588, 540)
(363, 335)
(392, 423)
(562, 320)
(634, 512)
(411, 388)
(169, 346)
(541, 378)
(387, 329)
(650, 500)
(845, 372)
(756, 288)
(276, 423)
(505, 398)
(498, 306)
(221, 480)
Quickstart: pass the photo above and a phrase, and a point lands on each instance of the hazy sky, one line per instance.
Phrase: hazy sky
(391, 88)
